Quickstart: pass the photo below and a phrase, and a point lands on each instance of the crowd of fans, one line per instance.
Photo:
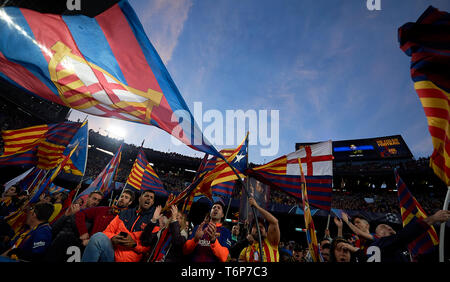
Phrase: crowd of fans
(176, 178)
(56, 215)
(171, 169)
(134, 229)
(379, 166)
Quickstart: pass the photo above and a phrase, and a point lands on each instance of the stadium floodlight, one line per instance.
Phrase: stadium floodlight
(116, 131)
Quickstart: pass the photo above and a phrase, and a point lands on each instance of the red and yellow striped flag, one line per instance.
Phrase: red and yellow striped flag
(309, 223)
(17, 219)
(21, 140)
(426, 42)
(41, 145)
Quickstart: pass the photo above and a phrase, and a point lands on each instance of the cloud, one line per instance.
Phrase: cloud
(163, 22)
(423, 147)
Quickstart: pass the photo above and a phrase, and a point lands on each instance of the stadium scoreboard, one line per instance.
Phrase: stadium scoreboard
(379, 148)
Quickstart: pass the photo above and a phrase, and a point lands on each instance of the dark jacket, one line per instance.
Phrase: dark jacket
(167, 247)
(394, 248)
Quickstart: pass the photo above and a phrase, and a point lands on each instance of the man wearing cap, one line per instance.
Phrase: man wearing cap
(210, 241)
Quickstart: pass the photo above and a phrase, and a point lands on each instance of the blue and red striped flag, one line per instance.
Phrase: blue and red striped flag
(53, 189)
(143, 177)
(104, 66)
(103, 182)
(427, 43)
(42, 145)
(412, 211)
(191, 191)
(284, 173)
(223, 189)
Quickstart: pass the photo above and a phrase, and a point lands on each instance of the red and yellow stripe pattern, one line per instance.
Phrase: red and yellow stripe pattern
(22, 140)
(426, 42)
(436, 104)
(40, 145)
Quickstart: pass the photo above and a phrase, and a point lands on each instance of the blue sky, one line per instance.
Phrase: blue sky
(332, 68)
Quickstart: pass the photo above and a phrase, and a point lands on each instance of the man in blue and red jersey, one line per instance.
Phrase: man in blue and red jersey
(32, 243)
(210, 241)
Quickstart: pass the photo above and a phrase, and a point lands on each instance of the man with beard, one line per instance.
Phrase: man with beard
(210, 241)
(120, 241)
(270, 238)
(100, 217)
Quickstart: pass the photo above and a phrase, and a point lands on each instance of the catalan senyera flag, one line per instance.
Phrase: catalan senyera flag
(103, 181)
(144, 177)
(284, 173)
(218, 171)
(426, 42)
(41, 146)
(52, 174)
(411, 211)
(104, 66)
(309, 223)
(16, 220)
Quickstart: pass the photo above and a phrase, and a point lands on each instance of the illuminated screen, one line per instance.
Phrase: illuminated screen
(369, 149)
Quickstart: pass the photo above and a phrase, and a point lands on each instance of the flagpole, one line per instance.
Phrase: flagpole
(247, 183)
(34, 180)
(252, 207)
(291, 209)
(328, 221)
(29, 198)
(229, 201)
(78, 190)
(228, 207)
(85, 163)
(39, 184)
(442, 230)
